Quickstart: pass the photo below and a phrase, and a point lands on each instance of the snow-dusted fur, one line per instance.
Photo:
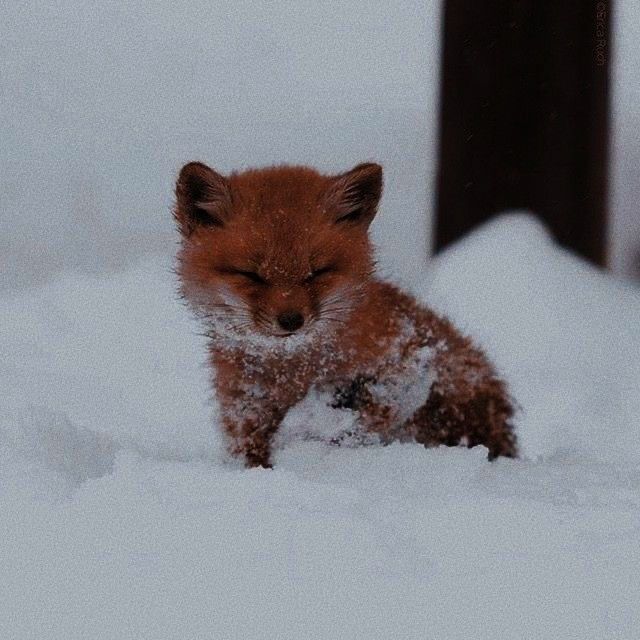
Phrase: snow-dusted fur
(265, 248)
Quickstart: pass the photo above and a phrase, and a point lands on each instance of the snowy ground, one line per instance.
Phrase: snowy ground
(120, 520)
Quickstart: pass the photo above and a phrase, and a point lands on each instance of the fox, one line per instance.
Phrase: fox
(278, 264)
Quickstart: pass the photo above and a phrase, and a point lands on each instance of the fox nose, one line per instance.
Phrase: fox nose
(291, 320)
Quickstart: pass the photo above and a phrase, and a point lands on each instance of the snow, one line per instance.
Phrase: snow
(547, 317)
(122, 518)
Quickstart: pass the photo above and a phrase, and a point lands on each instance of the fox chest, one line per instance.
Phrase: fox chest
(401, 382)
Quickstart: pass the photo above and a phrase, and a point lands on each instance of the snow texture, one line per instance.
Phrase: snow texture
(122, 520)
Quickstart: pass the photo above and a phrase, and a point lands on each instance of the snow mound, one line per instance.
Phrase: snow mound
(565, 334)
(122, 519)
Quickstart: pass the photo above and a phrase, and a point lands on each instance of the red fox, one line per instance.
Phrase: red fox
(278, 264)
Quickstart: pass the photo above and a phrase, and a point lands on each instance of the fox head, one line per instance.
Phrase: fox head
(278, 251)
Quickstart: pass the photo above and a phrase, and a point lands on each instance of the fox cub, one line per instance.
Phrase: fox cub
(278, 264)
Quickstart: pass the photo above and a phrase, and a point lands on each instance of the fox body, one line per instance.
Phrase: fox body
(278, 264)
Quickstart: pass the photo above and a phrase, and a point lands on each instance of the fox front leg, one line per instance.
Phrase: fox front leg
(250, 424)
(254, 397)
(253, 408)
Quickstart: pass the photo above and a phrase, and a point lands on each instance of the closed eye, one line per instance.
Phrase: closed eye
(249, 275)
(319, 272)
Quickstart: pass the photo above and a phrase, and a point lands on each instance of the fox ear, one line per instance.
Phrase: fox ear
(203, 198)
(354, 196)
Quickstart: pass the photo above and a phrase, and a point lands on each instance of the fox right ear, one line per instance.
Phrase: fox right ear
(203, 198)
(354, 196)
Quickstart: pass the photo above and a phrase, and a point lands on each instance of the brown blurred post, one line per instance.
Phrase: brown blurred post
(524, 117)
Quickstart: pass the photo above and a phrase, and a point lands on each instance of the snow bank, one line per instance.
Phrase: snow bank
(121, 520)
(566, 335)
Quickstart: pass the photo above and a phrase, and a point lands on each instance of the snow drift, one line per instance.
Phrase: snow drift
(120, 518)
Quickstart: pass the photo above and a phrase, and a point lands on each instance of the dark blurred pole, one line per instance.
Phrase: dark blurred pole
(524, 117)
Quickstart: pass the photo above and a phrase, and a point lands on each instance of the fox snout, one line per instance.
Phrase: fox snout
(289, 308)
(290, 320)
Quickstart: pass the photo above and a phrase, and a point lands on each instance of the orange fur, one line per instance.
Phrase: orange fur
(278, 264)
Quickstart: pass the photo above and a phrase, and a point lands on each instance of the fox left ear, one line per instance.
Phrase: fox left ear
(203, 198)
(354, 196)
